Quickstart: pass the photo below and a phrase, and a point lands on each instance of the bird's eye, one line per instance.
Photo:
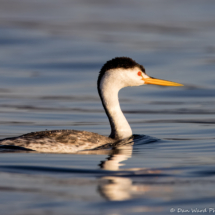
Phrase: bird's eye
(139, 73)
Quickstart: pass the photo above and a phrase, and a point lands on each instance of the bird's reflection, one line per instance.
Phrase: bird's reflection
(118, 155)
(116, 188)
(111, 187)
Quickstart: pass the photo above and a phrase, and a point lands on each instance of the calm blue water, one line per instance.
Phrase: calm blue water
(50, 56)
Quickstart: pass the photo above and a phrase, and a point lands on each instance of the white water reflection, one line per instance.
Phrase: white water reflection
(115, 188)
(113, 162)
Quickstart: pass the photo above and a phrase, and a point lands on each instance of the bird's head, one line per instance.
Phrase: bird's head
(124, 72)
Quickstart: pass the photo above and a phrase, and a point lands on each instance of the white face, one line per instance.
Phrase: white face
(116, 79)
(131, 77)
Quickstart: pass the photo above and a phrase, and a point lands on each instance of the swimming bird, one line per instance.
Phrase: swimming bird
(115, 74)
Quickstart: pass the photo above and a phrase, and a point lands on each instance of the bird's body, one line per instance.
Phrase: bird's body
(58, 141)
(115, 74)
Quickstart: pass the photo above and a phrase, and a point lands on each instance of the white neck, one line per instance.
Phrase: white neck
(109, 88)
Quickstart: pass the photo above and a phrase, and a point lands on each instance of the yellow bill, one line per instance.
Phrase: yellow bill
(155, 81)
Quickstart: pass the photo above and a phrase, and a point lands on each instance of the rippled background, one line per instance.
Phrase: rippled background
(50, 56)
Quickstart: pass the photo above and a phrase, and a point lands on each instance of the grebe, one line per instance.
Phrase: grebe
(115, 74)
